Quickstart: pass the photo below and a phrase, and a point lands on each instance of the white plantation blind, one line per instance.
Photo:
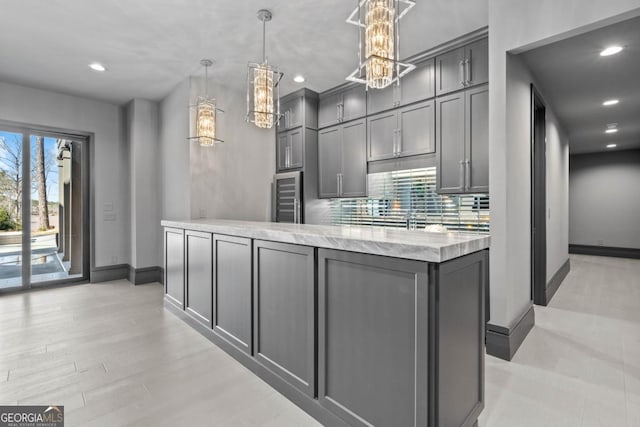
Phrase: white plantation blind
(394, 197)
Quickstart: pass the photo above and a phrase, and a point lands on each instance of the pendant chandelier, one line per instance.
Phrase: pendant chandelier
(205, 114)
(378, 24)
(263, 91)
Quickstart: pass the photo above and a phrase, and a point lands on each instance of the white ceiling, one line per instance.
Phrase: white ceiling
(151, 45)
(575, 80)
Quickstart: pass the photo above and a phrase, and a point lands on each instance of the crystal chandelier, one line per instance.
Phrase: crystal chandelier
(205, 113)
(263, 92)
(381, 66)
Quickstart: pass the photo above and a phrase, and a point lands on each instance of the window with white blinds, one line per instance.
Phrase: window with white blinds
(396, 198)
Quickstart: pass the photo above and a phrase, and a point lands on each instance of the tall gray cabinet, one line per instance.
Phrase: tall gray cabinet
(297, 149)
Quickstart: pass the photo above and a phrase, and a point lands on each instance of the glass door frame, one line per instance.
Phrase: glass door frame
(27, 131)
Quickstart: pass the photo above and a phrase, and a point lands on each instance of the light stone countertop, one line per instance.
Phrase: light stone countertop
(414, 245)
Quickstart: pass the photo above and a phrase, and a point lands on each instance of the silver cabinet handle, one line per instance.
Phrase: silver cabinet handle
(462, 175)
(288, 156)
(468, 173)
(340, 184)
(399, 151)
(463, 81)
(338, 112)
(467, 64)
(395, 142)
(295, 211)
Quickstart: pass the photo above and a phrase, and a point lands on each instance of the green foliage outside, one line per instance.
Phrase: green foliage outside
(6, 222)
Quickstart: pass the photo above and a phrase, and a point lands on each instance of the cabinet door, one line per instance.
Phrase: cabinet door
(373, 338)
(417, 129)
(329, 161)
(450, 143)
(419, 84)
(174, 266)
(354, 159)
(199, 270)
(296, 150)
(381, 136)
(382, 99)
(450, 71)
(328, 111)
(282, 151)
(291, 114)
(284, 312)
(478, 62)
(232, 290)
(354, 103)
(477, 139)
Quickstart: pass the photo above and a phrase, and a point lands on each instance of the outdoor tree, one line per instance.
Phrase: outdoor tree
(41, 182)
(11, 175)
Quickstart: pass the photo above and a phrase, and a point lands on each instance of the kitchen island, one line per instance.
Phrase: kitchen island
(356, 325)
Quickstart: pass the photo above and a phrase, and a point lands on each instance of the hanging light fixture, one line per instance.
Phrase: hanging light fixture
(381, 66)
(263, 91)
(205, 113)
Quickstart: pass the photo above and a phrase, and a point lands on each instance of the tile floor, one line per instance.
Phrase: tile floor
(113, 356)
(580, 365)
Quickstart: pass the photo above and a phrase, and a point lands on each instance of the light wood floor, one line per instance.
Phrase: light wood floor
(113, 356)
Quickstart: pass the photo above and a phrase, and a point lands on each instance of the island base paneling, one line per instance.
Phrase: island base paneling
(352, 338)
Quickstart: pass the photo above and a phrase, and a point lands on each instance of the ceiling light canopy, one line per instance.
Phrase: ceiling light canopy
(378, 23)
(610, 102)
(299, 78)
(96, 66)
(205, 129)
(263, 89)
(612, 145)
(611, 50)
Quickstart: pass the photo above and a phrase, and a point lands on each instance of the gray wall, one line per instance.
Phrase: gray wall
(232, 180)
(519, 79)
(144, 204)
(109, 167)
(604, 203)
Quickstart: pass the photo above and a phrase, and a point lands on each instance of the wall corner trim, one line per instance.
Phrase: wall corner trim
(556, 280)
(503, 342)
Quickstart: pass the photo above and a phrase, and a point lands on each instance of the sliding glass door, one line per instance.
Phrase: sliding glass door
(43, 208)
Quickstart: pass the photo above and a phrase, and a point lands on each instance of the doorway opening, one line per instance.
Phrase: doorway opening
(538, 199)
(44, 231)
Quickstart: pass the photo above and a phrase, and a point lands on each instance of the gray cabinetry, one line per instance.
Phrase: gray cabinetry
(284, 312)
(232, 290)
(199, 268)
(406, 131)
(460, 340)
(416, 86)
(174, 266)
(463, 67)
(342, 106)
(290, 149)
(291, 111)
(462, 139)
(342, 161)
(373, 332)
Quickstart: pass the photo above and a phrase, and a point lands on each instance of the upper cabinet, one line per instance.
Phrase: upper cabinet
(416, 86)
(462, 135)
(342, 106)
(463, 67)
(298, 109)
(406, 131)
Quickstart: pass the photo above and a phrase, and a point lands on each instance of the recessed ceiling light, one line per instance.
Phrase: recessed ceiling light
(611, 50)
(612, 146)
(610, 102)
(96, 66)
(299, 78)
(612, 130)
